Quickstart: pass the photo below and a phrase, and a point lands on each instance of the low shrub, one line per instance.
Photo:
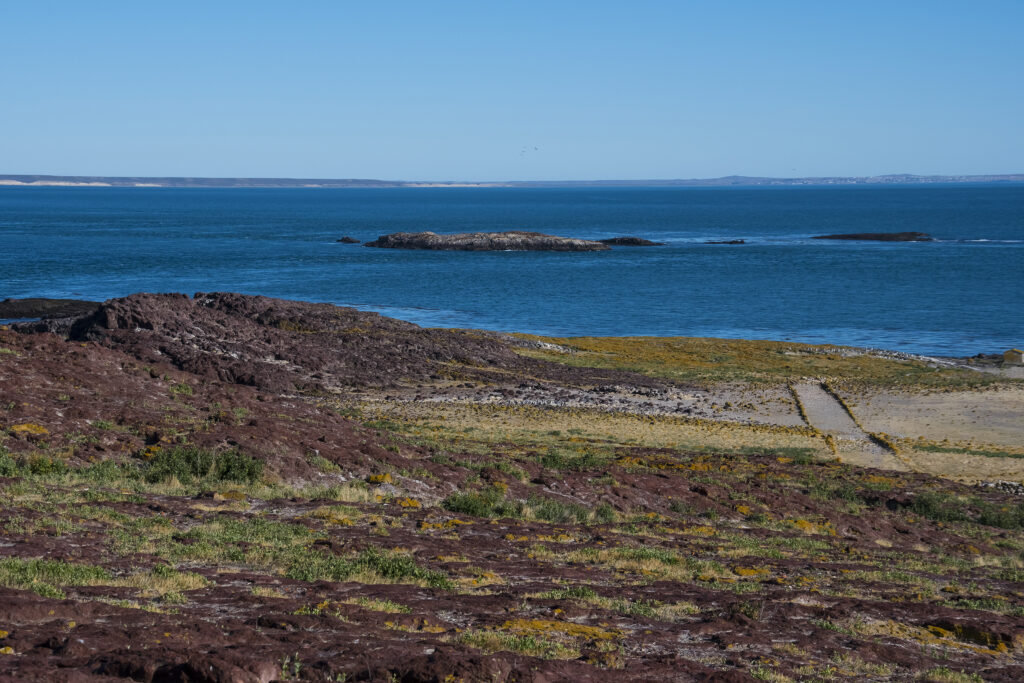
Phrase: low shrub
(551, 510)
(8, 466)
(43, 465)
(835, 490)
(938, 507)
(110, 472)
(604, 513)
(489, 502)
(569, 461)
(184, 463)
(236, 466)
(1002, 516)
(189, 463)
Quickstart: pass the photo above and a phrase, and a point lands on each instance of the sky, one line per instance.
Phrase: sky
(474, 91)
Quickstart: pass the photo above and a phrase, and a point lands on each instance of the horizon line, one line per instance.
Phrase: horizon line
(48, 180)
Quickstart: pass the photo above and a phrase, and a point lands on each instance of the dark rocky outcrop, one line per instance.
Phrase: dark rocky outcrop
(274, 344)
(287, 346)
(631, 242)
(515, 240)
(348, 240)
(726, 242)
(880, 237)
(45, 308)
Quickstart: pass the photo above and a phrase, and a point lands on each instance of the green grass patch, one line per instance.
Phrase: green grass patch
(568, 460)
(531, 645)
(933, 448)
(189, 463)
(557, 512)
(571, 593)
(1002, 516)
(390, 566)
(938, 507)
(47, 577)
(488, 502)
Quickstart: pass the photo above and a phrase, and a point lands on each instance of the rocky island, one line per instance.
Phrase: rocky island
(513, 240)
(630, 242)
(880, 237)
(230, 488)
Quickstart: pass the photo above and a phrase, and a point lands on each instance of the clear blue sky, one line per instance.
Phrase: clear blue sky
(514, 90)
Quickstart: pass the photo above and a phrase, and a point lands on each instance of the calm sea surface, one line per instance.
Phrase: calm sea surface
(961, 295)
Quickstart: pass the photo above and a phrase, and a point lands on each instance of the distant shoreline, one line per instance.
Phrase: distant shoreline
(314, 183)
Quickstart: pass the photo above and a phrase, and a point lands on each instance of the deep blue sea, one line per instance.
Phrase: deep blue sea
(960, 295)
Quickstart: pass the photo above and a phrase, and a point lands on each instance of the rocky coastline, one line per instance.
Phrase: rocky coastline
(224, 487)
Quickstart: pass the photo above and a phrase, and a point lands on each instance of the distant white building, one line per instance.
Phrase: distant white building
(1013, 357)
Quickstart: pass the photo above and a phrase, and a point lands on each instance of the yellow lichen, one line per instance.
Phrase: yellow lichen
(29, 429)
(750, 571)
(809, 527)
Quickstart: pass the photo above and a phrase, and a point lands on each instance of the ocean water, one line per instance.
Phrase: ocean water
(960, 295)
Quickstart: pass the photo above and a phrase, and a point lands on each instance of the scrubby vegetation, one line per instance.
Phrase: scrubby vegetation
(257, 533)
(716, 360)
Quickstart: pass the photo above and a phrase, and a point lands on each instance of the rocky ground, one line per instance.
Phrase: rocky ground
(231, 488)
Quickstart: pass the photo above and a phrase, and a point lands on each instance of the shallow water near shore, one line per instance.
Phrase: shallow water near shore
(959, 295)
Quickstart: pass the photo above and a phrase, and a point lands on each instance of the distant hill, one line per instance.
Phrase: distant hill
(727, 181)
(131, 181)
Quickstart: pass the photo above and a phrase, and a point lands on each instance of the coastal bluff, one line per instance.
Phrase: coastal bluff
(514, 240)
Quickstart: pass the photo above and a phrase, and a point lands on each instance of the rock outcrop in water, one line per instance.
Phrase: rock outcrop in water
(726, 242)
(880, 237)
(45, 308)
(630, 242)
(514, 240)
